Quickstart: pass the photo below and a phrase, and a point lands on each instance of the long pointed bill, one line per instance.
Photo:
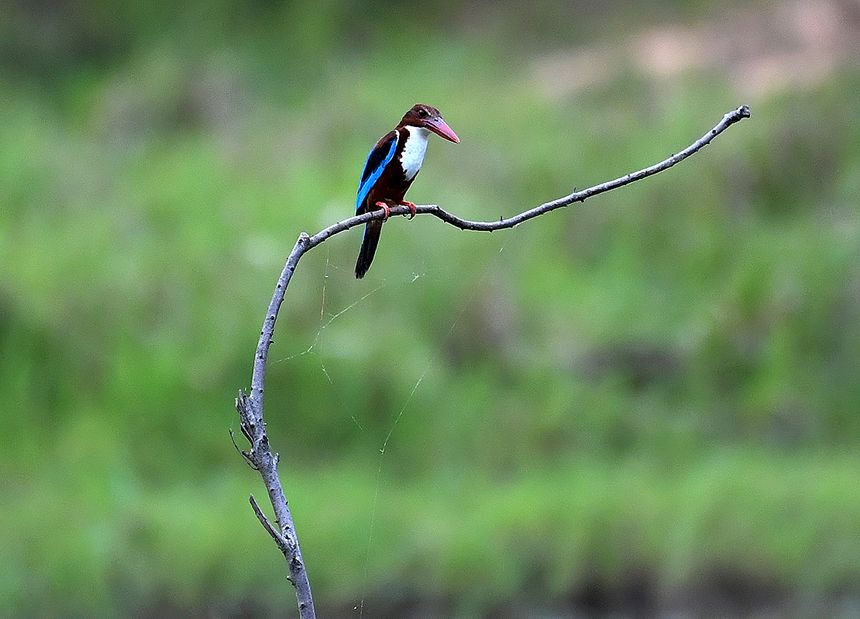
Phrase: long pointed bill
(441, 128)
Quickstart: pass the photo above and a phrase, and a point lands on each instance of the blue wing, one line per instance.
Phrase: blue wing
(379, 157)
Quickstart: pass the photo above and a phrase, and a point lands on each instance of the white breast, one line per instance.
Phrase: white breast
(413, 151)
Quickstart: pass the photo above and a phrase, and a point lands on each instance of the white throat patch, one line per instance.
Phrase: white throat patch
(413, 151)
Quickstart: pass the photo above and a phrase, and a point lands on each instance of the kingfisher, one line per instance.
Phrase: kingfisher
(391, 167)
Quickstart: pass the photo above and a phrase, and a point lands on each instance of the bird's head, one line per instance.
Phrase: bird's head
(428, 117)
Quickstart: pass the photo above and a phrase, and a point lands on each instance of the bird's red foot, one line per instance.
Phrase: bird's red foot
(385, 208)
(412, 208)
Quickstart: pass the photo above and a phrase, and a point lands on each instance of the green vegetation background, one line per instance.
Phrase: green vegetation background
(646, 402)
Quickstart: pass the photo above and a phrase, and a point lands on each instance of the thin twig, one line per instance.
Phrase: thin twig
(280, 540)
(250, 405)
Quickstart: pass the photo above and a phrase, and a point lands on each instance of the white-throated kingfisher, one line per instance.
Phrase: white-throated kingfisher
(391, 167)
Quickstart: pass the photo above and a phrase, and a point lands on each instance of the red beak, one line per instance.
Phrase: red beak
(441, 128)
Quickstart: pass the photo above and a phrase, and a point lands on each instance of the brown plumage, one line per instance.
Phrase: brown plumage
(391, 166)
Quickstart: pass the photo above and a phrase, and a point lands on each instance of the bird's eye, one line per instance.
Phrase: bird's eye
(423, 113)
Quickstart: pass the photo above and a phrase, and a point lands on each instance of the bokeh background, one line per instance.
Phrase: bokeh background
(646, 404)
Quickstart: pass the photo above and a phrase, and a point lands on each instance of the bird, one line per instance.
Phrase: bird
(391, 166)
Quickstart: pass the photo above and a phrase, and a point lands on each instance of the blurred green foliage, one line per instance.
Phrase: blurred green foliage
(649, 401)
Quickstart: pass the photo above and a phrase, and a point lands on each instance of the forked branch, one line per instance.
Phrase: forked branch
(250, 405)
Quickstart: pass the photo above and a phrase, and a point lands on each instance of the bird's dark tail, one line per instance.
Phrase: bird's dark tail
(368, 247)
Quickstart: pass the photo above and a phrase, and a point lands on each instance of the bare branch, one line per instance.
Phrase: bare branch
(250, 405)
(261, 458)
(577, 196)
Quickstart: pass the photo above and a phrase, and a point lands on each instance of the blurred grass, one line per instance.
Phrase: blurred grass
(649, 401)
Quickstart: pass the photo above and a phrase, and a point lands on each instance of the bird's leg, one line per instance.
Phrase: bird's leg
(412, 208)
(385, 208)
